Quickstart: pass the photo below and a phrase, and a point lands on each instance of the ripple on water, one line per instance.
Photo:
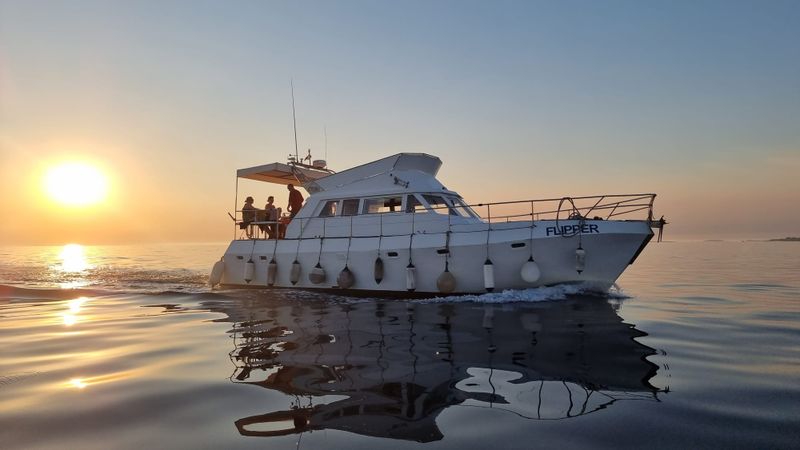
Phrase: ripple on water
(760, 286)
(701, 355)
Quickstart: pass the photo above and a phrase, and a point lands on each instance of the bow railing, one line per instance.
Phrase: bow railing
(597, 207)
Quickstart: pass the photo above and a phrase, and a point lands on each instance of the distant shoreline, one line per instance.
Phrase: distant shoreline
(784, 239)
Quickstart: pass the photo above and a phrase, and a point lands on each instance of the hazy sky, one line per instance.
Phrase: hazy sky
(697, 101)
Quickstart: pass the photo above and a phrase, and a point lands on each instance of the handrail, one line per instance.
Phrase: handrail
(608, 206)
(642, 201)
(559, 198)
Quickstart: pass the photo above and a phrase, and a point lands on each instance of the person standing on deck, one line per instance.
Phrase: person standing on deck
(295, 201)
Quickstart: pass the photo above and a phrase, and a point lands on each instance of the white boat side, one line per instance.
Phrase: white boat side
(394, 211)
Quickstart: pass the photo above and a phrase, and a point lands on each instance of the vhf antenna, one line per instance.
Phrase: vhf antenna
(325, 130)
(294, 122)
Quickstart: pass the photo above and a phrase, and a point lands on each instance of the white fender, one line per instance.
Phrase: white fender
(488, 275)
(317, 274)
(580, 259)
(346, 279)
(249, 270)
(530, 271)
(294, 274)
(216, 273)
(446, 282)
(411, 277)
(272, 272)
(378, 270)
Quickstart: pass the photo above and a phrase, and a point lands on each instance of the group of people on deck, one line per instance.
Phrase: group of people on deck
(275, 228)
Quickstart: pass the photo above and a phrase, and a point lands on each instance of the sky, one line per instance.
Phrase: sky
(696, 101)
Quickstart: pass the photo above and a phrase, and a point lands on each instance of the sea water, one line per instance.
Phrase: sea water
(126, 347)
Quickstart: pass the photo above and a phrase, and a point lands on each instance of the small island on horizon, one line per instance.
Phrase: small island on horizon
(786, 239)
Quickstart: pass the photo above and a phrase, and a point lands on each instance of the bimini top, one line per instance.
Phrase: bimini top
(280, 173)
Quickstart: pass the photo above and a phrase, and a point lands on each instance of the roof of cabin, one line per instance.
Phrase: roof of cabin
(401, 161)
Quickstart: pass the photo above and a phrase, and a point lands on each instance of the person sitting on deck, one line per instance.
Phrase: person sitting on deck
(248, 215)
(295, 201)
(271, 215)
(248, 212)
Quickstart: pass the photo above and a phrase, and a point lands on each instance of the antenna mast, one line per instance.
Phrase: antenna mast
(294, 122)
(325, 130)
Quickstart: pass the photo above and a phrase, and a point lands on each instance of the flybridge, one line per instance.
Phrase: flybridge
(317, 178)
(402, 161)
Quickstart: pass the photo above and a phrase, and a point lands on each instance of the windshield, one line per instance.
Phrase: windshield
(438, 204)
(461, 208)
(413, 204)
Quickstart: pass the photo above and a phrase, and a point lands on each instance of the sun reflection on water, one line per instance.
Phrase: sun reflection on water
(97, 380)
(74, 284)
(78, 383)
(74, 307)
(71, 270)
(73, 259)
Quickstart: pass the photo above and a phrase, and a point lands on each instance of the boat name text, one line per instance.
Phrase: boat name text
(572, 229)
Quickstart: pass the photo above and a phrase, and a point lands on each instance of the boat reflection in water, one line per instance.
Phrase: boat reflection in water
(388, 368)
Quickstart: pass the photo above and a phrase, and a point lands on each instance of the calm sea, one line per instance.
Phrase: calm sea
(125, 347)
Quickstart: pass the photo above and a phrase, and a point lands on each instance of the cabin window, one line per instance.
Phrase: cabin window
(350, 207)
(461, 208)
(413, 204)
(329, 208)
(438, 204)
(381, 205)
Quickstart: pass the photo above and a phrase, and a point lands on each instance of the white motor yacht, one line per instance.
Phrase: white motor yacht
(390, 227)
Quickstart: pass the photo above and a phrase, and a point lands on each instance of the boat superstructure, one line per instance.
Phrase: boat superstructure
(391, 226)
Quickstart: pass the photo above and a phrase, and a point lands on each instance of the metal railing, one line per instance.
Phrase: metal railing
(598, 207)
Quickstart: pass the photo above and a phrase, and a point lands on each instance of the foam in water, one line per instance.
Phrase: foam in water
(540, 294)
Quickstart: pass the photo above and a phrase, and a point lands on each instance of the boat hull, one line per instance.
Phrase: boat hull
(610, 246)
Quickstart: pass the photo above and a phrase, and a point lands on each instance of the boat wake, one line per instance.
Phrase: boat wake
(104, 278)
(532, 295)
(169, 286)
(26, 293)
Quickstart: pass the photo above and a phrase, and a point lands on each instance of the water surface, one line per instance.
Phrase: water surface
(125, 347)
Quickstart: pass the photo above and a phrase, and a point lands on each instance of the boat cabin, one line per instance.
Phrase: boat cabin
(396, 195)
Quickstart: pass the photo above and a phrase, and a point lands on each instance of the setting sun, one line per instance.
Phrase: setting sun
(75, 184)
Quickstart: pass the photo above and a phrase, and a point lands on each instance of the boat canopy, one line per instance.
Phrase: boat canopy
(315, 180)
(280, 173)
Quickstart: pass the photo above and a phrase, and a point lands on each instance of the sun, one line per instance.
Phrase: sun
(76, 184)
